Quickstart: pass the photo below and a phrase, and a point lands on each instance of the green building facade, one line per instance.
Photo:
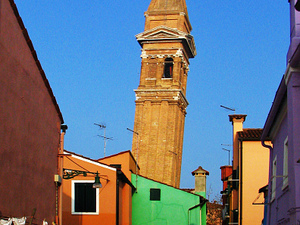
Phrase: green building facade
(155, 203)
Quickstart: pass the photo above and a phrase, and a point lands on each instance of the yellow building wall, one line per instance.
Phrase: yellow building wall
(254, 175)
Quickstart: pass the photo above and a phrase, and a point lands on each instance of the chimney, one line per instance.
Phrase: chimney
(237, 125)
(200, 181)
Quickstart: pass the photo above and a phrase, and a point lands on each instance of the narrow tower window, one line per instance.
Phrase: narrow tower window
(168, 70)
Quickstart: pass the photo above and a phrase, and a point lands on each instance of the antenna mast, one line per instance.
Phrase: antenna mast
(137, 158)
(230, 109)
(225, 149)
(102, 126)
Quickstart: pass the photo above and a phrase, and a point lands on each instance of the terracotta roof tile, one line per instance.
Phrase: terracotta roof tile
(250, 134)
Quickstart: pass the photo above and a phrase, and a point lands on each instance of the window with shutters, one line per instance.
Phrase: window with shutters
(84, 197)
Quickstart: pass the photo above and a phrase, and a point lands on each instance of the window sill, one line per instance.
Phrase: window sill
(85, 213)
(285, 187)
(272, 199)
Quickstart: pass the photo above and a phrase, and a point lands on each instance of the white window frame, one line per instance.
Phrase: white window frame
(73, 198)
(285, 181)
(274, 171)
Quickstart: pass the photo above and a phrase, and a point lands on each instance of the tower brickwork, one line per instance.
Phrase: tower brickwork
(160, 97)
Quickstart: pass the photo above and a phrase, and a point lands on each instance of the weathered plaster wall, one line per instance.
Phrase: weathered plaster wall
(254, 175)
(30, 126)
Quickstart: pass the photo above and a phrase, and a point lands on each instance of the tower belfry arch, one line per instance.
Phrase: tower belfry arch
(167, 46)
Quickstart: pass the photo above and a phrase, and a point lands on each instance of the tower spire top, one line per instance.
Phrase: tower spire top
(167, 5)
(170, 13)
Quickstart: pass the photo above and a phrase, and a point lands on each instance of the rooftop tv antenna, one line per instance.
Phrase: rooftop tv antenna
(137, 156)
(102, 126)
(228, 108)
(225, 149)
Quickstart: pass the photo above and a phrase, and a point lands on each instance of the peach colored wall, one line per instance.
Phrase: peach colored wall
(254, 175)
(107, 194)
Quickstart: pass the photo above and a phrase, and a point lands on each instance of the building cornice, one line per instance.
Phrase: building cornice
(274, 111)
(167, 34)
(179, 95)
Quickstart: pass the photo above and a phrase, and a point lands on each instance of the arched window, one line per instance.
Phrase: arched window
(168, 70)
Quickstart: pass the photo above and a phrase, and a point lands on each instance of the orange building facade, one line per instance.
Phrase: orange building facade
(84, 205)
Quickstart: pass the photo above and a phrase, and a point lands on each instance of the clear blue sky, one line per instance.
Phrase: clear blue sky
(92, 60)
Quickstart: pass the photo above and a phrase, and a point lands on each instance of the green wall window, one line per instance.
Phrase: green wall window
(154, 194)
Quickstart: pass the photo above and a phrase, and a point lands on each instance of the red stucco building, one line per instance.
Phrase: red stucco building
(30, 122)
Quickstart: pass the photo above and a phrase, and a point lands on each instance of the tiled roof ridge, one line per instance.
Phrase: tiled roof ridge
(250, 133)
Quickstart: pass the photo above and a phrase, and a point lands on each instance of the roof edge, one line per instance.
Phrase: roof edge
(169, 186)
(34, 55)
(90, 160)
(274, 109)
(120, 153)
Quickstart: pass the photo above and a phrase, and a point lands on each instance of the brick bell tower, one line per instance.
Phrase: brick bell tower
(160, 97)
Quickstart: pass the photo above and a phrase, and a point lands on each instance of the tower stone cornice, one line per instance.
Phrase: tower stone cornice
(166, 34)
(155, 95)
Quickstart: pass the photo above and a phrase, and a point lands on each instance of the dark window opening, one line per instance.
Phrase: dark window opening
(118, 166)
(85, 197)
(168, 70)
(154, 194)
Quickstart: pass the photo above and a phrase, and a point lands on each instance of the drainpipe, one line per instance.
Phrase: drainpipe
(269, 211)
(117, 200)
(60, 171)
(196, 206)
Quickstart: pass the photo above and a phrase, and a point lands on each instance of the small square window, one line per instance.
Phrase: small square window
(84, 198)
(154, 194)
